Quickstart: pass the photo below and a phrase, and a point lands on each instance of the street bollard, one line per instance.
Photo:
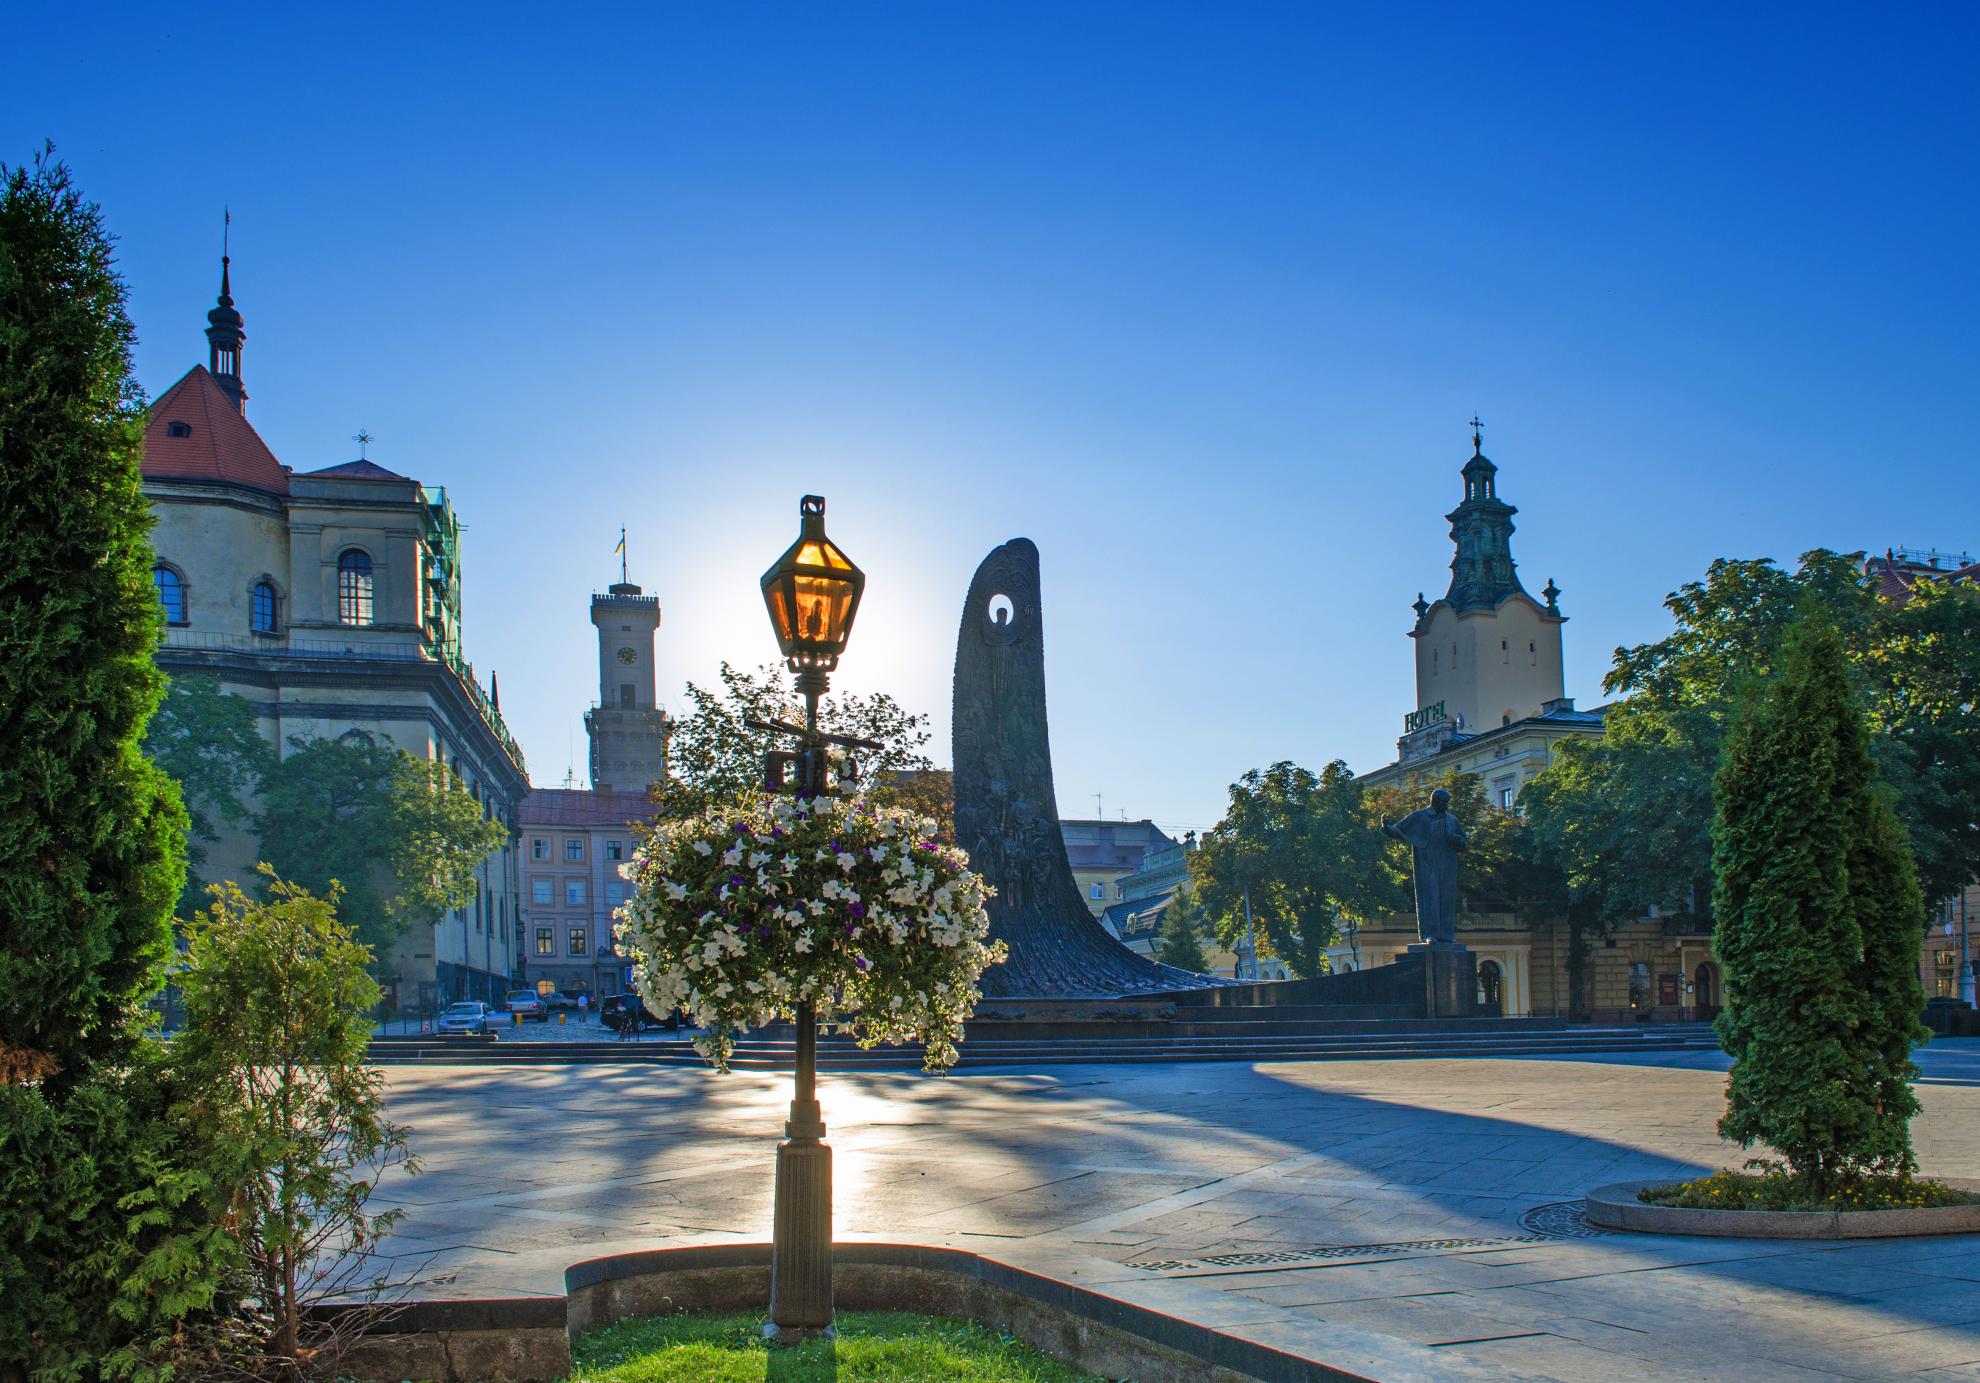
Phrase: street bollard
(515, 1020)
(560, 1015)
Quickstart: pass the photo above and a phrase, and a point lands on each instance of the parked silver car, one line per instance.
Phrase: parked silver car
(468, 1016)
(529, 1004)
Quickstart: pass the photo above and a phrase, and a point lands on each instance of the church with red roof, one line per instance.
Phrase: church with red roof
(330, 599)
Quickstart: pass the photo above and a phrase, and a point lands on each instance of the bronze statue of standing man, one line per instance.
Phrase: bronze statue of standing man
(1434, 839)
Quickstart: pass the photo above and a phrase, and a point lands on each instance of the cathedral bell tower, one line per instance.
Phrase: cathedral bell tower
(1487, 654)
(627, 728)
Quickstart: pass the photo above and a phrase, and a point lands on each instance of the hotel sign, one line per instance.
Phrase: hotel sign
(1433, 714)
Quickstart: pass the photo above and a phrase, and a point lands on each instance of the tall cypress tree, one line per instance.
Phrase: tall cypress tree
(91, 835)
(1818, 915)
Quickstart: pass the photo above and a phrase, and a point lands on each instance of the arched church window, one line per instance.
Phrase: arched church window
(261, 607)
(354, 588)
(171, 588)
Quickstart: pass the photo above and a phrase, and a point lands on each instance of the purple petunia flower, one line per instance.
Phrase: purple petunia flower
(862, 962)
(856, 909)
(737, 880)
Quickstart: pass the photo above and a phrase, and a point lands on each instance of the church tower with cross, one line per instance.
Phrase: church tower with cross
(1487, 653)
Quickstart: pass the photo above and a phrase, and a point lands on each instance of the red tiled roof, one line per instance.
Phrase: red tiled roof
(222, 445)
(583, 807)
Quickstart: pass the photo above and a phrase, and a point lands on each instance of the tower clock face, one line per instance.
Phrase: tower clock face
(628, 656)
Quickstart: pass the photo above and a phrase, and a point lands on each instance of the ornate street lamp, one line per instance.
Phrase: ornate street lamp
(812, 593)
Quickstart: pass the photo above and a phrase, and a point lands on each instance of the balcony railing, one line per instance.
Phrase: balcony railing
(353, 650)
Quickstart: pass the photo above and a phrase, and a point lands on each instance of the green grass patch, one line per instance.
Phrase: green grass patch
(873, 1347)
(1782, 1190)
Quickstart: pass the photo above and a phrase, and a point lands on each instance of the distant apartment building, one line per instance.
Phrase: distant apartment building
(573, 843)
(1104, 852)
(331, 600)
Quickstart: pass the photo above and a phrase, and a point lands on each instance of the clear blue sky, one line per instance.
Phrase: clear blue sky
(1198, 298)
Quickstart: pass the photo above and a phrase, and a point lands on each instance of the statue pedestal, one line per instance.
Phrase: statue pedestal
(1450, 979)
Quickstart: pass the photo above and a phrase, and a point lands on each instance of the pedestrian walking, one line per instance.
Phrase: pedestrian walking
(584, 1004)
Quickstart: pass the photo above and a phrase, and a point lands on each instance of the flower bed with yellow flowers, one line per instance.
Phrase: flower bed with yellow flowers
(739, 915)
(1775, 1188)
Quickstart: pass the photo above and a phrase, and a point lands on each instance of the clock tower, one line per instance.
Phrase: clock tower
(627, 728)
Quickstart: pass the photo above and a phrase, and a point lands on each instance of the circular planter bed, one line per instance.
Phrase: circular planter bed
(1616, 1207)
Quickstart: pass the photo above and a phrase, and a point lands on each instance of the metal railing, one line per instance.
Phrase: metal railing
(353, 650)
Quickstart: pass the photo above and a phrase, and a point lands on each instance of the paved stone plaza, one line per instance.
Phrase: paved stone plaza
(1158, 1183)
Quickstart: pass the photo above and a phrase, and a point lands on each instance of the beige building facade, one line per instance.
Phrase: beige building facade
(1490, 700)
(330, 601)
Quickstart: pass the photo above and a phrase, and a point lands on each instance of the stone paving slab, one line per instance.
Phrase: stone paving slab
(1085, 1172)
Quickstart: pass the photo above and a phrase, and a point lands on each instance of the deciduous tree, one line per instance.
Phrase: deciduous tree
(1301, 847)
(207, 740)
(715, 757)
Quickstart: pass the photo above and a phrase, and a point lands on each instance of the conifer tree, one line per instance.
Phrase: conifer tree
(91, 835)
(1818, 911)
(1180, 942)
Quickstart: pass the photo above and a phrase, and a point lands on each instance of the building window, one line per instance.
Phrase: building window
(176, 428)
(354, 588)
(625, 696)
(539, 892)
(574, 850)
(1945, 973)
(1098, 891)
(171, 589)
(261, 607)
(574, 891)
(546, 942)
(615, 891)
(539, 848)
(576, 942)
(615, 849)
(1506, 796)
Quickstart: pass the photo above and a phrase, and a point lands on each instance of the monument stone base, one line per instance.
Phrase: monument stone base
(1450, 979)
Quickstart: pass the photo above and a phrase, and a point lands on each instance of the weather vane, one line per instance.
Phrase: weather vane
(364, 440)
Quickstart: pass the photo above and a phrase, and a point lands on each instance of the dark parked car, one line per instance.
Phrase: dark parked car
(628, 1014)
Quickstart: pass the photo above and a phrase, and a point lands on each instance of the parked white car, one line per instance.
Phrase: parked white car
(468, 1016)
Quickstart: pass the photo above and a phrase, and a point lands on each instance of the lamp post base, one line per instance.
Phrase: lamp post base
(801, 1255)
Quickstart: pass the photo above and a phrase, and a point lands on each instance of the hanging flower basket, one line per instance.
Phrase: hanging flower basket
(737, 916)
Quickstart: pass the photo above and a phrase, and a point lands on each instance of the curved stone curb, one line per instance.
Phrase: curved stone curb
(1616, 1207)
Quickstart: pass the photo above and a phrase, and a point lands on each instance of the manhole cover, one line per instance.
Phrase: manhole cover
(1560, 1220)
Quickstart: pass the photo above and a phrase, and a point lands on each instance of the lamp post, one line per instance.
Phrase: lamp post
(812, 593)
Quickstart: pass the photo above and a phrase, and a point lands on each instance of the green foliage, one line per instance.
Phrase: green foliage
(1776, 1188)
(1627, 817)
(272, 1063)
(872, 1346)
(92, 851)
(1818, 912)
(437, 833)
(1302, 847)
(1180, 942)
(1499, 871)
(714, 759)
(399, 836)
(113, 1240)
(208, 741)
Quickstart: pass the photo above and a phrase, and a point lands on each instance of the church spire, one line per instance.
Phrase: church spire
(1482, 572)
(224, 333)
